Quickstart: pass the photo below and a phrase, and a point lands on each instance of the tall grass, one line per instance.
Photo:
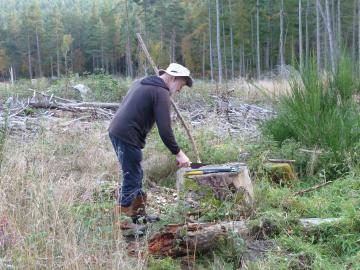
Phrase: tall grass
(320, 113)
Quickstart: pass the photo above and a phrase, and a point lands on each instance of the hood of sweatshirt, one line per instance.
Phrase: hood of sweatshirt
(155, 81)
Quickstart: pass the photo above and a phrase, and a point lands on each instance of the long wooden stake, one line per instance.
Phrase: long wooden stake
(143, 46)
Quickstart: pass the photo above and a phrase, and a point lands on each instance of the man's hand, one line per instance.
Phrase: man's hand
(182, 160)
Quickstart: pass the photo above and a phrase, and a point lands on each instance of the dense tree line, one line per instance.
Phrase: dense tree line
(216, 39)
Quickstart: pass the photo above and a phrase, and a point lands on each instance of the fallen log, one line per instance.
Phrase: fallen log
(177, 240)
(73, 106)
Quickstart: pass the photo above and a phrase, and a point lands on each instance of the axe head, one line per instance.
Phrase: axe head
(195, 165)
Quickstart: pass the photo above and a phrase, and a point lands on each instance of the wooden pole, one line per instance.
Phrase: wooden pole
(195, 149)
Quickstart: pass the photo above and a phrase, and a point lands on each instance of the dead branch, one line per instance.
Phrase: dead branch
(51, 96)
(302, 192)
(273, 160)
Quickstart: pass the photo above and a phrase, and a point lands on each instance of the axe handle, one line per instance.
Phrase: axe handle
(146, 52)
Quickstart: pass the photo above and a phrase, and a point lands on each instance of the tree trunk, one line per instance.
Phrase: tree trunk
(353, 47)
(224, 49)
(327, 20)
(359, 34)
(307, 33)
(231, 43)
(161, 30)
(318, 45)
(300, 38)
(66, 64)
(331, 35)
(257, 41)
(268, 37)
(51, 67)
(281, 47)
(253, 43)
(203, 58)
(210, 45)
(38, 52)
(129, 68)
(339, 39)
(218, 41)
(29, 57)
(241, 61)
(57, 55)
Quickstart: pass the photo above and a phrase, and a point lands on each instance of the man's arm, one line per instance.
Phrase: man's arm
(163, 122)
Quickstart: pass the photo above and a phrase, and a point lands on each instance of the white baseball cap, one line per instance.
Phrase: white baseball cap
(177, 70)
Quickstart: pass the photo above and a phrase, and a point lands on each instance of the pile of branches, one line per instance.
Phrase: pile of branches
(14, 113)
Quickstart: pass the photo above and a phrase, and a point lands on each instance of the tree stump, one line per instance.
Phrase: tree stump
(221, 185)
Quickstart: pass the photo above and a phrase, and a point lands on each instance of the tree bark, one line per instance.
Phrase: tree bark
(176, 240)
(129, 67)
(318, 40)
(327, 21)
(210, 44)
(203, 58)
(257, 41)
(359, 34)
(38, 51)
(231, 43)
(353, 47)
(51, 67)
(300, 38)
(218, 41)
(224, 49)
(29, 56)
(307, 33)
(339, 39)
(58, 55)
(268, 49)
(281, 47)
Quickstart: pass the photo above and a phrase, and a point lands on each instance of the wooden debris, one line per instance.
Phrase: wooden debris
(309, 222)
(273, 160)
(302, 192)
(177, 240)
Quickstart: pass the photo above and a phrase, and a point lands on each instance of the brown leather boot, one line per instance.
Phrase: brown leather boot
(124, 217)
(139, 209)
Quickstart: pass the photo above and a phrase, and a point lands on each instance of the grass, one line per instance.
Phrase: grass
(49, 194)
(48, 188)
(320, 113)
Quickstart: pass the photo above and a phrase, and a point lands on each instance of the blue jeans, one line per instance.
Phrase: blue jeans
(129, 157)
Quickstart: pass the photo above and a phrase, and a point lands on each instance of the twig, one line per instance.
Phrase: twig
(302, 192)
(273, 160)
(20, 111)
(52, 96)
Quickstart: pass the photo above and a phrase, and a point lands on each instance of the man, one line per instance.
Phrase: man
(147, 102)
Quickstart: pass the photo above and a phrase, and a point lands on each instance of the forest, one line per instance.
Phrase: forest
(217, 40)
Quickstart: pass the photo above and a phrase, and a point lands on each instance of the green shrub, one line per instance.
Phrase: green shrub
(105, 88)
(320, 113)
